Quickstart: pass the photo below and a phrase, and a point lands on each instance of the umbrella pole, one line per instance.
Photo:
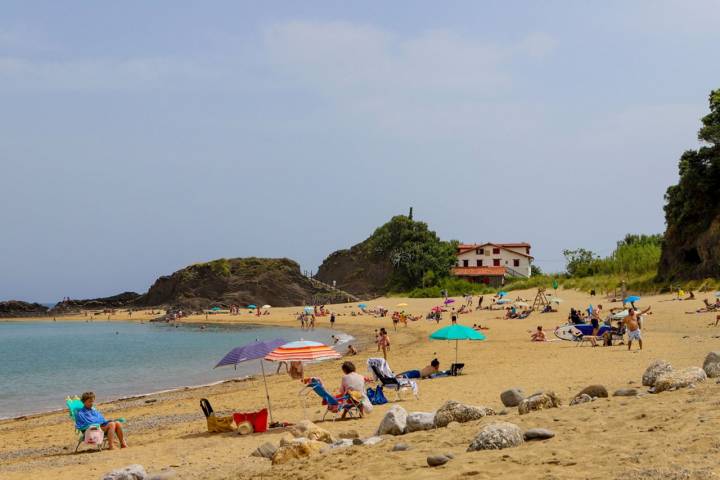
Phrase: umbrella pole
(267, 394)
(456, 348)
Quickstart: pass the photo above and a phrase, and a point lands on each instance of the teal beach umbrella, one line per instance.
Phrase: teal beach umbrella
(457, 333)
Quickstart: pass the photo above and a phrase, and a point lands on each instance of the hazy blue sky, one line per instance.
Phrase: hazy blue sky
(137, 137)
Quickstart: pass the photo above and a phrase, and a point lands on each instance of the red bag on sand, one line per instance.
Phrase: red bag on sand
(257, 419)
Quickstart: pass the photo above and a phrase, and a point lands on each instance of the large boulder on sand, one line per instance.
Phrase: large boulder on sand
(299, 449)
(597, 391)
(307, 429)
(394, 422)
(131, 472)
(497, 436)
(539, 401)
(512, 397)
(417, 421)
(453, 411)
(711, 365)
(679, 379)
(655, 370)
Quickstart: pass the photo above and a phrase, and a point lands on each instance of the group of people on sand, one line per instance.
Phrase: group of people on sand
(307, 321)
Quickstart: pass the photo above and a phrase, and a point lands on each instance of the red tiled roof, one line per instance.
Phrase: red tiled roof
(478, 271)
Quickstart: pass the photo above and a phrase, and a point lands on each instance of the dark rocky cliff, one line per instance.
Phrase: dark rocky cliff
(692, 213)
(16, 308)
(356, 271)
(240, 281)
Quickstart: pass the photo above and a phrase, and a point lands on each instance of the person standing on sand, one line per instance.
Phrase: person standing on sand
(453, 317)
(332, 320)
(384, 342)
(480, 300)
(633, 328)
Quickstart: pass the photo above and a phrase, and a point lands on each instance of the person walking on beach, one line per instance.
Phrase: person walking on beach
(633, 328)
(384, 342)
(332, 320)
(453, 317)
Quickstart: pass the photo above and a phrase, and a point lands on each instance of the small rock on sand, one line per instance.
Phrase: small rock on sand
(394, 422)
(679, 379)
(655, 370)
(266, 450)
(417, 421)
(512, 397)
(584, 398)
(372, 440)
(297, 450)
(309, 430)
(597, 391)
(497, 436)
(711, 365)
(538, 434)
(131, 472)
(400, 447)
(452, 411)
(349, 434)
(538, 401)
(437, 460)
(626, 392)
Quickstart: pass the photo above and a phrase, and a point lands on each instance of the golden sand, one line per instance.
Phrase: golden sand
(668, 435)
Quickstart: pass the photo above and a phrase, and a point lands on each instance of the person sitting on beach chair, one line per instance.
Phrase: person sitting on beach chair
(382, 373)
(88, 418)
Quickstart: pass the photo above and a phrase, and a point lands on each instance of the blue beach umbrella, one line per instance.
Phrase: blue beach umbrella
(215, 309)
(309, 310)
(631, 299)
(503, 300)
(457, 333)
(253, 351)
(362, 305)
(502, 293)
(252, 307)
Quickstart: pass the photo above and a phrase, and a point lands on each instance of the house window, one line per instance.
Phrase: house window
(496, 262)
(466, 263)
(496, 251)
(479, 263)
(516, 263)
(480, 251)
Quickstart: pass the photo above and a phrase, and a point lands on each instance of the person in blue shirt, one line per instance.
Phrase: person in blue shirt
(88, 416)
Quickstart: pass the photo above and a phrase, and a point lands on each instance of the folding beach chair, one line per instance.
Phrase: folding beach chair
(382, 373)
(344, 404)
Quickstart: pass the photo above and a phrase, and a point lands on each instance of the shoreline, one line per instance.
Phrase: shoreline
(359, 339)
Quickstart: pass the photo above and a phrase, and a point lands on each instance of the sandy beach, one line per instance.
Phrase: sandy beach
(667, 435)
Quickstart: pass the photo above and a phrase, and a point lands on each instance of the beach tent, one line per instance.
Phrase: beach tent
(252, 351)
(457, 332)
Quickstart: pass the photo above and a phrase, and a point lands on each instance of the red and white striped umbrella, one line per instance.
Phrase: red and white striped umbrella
(302, 351)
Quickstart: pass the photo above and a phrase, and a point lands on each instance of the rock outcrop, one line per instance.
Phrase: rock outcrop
(121, 300)
(357, 271)
(16, 308)
(239, 281)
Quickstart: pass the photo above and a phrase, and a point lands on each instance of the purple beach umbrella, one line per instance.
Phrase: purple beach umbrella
(253, 351)
(448, 301)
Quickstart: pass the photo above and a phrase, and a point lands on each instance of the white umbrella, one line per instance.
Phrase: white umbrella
(266, 306)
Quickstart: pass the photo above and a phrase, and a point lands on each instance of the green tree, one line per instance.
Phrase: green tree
(413, 251)
(580, 262)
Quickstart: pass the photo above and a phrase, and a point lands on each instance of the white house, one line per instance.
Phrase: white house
(491, 263)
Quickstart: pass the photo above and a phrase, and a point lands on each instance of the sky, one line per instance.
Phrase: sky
(139, 137)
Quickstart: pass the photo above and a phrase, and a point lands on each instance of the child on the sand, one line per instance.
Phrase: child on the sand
(538, 335)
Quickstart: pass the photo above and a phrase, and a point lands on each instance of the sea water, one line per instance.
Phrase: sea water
(41, 363)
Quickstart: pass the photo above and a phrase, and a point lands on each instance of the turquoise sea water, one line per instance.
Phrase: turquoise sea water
(41, 363)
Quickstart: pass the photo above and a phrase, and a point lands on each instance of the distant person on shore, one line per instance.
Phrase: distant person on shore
(351, 350)
(332, 320)
(633, 328)
(88, 416)
(453, 317)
